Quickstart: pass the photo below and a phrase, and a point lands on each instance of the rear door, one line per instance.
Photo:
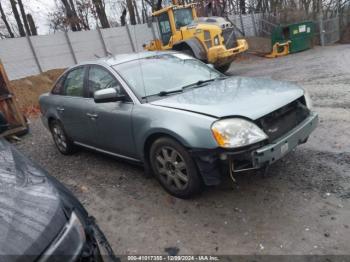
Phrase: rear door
(113, 129)
(74, 107)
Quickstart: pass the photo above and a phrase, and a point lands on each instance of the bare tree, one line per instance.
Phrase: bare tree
(74, 12)
(137, 12)
(123, 17)
(24, 17)
(84, 11)
(144, 12)
(154, 4)
(70, 17)
(4, 19)
(58, 20)
(32, 25)
(18, 18)
(242, 6)
(159, 5)
(131, 12)
(101, 12)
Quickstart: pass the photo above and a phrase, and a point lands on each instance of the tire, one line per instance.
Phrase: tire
(187, 51)
(174, 168)
(224, 68)
(62, 141)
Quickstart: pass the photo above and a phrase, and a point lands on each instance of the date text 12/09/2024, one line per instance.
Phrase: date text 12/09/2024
(174, 258)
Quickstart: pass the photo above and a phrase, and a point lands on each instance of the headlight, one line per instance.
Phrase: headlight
(216, 40)
(68, 243)
(230, 133)
(308, 100)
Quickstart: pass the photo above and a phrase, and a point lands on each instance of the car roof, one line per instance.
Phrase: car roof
(122, 58)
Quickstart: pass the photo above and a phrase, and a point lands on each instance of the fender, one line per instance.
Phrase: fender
(195, 45)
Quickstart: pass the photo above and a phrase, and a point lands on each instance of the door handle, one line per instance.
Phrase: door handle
(60, 109)
(92, 116)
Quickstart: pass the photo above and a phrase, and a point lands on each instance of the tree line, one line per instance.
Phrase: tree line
(25, 24)
(78, 15)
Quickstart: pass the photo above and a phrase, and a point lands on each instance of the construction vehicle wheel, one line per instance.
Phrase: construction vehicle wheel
(223, 68)
(187, 51)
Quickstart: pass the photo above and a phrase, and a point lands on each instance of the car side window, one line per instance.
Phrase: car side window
(74, 84)
(58, 88)
(99, 79)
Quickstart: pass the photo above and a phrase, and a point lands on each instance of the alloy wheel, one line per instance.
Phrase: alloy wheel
(172, 168)
(59, 137)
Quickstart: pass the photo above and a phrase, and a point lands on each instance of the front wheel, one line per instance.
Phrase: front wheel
(174, 168)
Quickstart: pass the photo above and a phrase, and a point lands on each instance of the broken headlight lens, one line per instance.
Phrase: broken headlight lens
(232, 133)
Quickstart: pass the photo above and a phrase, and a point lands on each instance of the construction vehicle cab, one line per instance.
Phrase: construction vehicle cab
(210, 39)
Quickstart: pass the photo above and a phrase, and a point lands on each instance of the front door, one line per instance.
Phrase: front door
(113, 125)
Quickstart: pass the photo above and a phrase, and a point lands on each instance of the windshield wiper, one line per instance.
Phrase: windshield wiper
(194, 85)
(164, 93)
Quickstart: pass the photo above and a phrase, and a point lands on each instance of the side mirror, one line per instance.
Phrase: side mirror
(108, 95)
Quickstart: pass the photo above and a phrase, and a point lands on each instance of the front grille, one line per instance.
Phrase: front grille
(229, 38)
(281, 121)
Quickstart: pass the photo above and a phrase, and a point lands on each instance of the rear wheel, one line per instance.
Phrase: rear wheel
(174, 168)
(62, 142)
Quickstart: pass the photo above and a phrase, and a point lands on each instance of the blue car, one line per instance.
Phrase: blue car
(183, 120)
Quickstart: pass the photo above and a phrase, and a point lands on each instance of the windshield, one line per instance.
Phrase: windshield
(183, 17)
(162, 73)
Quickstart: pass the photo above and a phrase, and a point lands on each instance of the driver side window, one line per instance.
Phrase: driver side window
(99, 79)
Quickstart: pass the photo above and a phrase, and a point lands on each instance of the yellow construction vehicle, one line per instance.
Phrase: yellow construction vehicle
(210, 39)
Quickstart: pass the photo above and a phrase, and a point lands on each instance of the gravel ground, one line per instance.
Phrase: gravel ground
(301, 207)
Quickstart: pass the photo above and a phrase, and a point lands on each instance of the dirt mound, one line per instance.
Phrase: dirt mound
(28, 89)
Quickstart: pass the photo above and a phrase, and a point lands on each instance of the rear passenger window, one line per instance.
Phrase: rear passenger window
(99, 79)
(74, 84)
(58, 88)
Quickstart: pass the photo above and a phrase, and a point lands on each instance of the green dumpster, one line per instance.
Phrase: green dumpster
(300, 35)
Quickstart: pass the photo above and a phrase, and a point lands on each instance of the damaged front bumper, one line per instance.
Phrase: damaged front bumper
(212, 163)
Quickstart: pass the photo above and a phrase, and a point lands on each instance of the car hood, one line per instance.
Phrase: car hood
(235, 96)
(31, 213)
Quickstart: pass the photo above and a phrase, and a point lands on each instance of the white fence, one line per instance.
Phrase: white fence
(29, 56)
